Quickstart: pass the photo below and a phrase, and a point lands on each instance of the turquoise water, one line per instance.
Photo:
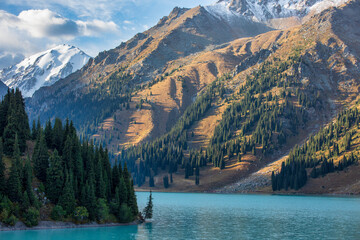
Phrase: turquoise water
(220, 216)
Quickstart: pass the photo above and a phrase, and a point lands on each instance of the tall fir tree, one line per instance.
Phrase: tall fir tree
(27, 181)
(55, 178)
(40, 158)
(2, 170)
(67, 200)
(148, 211)
(14, 180)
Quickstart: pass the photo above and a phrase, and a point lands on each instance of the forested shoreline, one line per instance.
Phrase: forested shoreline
(61, 178)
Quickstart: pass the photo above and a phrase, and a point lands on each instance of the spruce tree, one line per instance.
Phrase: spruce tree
(90, 200)
(27, 181)
(148, 210)
(55, 178)
(57, 135)
(133, 201)
(123, 192)
(40, 158)
(67, 200)
(2, 171)
(23, 128)
(34, 131)
(9, 136)
(14, 180)
(48, 133)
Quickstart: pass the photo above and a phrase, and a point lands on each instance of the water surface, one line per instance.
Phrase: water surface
(230, 216)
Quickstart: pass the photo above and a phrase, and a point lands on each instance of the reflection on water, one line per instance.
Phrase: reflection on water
(144, 231)
(219, 216)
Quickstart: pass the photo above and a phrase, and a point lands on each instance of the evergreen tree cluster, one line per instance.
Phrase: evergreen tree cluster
(319, 153)
(80, 174)
(13, 121)
(77, 178)
(265, 120)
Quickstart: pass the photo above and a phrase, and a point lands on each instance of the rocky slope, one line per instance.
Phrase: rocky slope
(44, 68)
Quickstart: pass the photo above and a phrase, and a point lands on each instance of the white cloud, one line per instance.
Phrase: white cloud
(32, 30)
(45, 23)
(96, 27)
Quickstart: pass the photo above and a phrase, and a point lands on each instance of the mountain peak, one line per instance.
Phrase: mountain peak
(264, 10)
(44, 68)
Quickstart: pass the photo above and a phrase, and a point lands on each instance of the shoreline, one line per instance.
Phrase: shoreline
(259, 193)
(52, 225)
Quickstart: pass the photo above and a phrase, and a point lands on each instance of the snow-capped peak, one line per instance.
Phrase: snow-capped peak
(264, 10)
(44, 68)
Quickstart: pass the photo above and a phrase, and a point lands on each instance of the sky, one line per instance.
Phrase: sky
(31, 26)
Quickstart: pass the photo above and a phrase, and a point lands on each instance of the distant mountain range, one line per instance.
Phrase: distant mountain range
(257, 77)
(44, 68)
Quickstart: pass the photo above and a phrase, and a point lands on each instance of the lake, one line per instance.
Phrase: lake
(227, 216)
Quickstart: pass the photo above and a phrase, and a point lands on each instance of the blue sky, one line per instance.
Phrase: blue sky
(30, 26)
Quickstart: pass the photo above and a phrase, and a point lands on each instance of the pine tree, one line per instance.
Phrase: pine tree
(166, 181)
(239, 157)
(90, 202)
(27, 181)
(197, 175)
(25, 204)
(151, 181)
(55, 178)
(123, 192)
(67, 200)
(148, 210)
(23, 128)
(273, 181)
(14, 181)
(48, 134)
(2, 170)
(34, 131)
(133, 201)
(40, 158)
(57, 135)
(9, 136)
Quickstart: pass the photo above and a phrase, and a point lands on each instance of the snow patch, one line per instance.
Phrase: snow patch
(264, 10)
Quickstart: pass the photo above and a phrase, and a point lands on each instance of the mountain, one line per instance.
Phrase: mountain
(263, 11)
(145, 57)
(199, 96)
(44, 68)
